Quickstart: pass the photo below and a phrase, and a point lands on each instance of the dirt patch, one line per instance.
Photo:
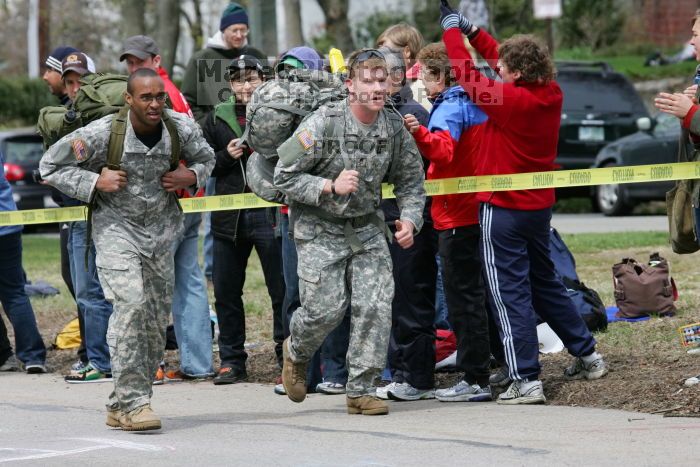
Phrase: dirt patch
(647, 381)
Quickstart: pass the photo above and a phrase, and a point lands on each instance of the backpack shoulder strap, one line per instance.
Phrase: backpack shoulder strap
(395, 125)
(174, 140)
(117, 133)
(333, 129)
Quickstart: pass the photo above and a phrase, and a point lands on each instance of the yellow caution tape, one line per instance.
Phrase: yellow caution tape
(445, 186)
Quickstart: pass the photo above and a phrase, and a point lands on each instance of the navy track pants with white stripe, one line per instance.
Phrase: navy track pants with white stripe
(521, 280)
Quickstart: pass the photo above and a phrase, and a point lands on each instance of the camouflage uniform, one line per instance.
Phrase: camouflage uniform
(133, 231)
(333, 272)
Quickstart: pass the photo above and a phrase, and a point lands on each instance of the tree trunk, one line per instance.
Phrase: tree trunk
(133, 17)
(337, 26)
(263, 26)
(195, 25)
(168, 32)
(292, 24)
(44, 30)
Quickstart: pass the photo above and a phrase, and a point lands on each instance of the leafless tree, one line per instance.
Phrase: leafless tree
(292, 24)
(168, 31)
(195, 24)
(133, 17)
(337, 25)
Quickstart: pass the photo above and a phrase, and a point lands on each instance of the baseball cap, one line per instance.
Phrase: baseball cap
(78, 62)
(246, 62)
(139, 46)
(57, 55)
(302, 57)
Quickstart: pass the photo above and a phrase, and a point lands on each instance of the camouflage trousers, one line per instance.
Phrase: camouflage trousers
(140, 289)
(331, 277)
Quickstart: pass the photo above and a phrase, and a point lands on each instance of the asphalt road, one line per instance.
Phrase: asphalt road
(45, 421)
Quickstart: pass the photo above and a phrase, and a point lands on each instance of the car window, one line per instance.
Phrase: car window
(22, 150)
(599, 93)
(666, 125)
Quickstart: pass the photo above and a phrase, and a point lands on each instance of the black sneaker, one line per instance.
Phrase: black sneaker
(36, 369)
(228, 375)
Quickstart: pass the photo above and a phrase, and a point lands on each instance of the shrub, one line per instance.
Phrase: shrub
(22, 98)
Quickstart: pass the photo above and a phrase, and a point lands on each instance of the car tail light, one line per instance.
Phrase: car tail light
(13, 172)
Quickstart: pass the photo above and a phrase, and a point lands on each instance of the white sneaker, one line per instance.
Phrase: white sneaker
(523, 392)
(406, 392)
(330, 388)
(464, 392)
(10, 364)
(595, 368)
(383, 392)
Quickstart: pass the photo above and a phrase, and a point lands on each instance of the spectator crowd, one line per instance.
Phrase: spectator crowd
(358, 285)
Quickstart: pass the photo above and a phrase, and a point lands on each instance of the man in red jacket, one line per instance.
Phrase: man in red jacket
(143, 52)
(524, 112)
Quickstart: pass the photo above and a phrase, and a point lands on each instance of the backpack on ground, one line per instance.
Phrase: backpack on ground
(69, 336)
(644, 289)
(586, 300)
(99, 95)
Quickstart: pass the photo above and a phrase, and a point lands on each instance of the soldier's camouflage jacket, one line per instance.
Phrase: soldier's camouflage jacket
(143, 213)
(316, 153)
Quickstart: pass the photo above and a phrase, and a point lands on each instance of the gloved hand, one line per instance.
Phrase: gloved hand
(464, 24)
(449, 18)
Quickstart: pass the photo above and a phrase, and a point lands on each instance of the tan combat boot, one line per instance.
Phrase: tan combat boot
(140, 419)
(367, 405)
(293, 375)
(113, 416)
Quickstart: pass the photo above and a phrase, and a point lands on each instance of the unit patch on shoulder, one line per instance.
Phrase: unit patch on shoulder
(305, 139)
(79, 149)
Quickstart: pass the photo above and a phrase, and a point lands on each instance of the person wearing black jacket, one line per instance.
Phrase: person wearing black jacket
(412, 344)
(236, 233)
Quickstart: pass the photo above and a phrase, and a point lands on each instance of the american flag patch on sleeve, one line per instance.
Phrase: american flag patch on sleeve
(79, 149)
(305, 139)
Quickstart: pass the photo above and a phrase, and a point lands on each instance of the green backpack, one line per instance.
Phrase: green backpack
(99, 95)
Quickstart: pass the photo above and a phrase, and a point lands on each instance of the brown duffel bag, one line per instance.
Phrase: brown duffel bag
(644, 289)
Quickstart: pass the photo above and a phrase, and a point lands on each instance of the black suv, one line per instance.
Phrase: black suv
(600, 106)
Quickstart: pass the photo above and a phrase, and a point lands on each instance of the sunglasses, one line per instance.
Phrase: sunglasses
(365, 55)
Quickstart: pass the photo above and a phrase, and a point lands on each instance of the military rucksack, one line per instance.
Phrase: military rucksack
(260, 168)
(278, 106)
(99, 95)
(117, 132)
(115, 150)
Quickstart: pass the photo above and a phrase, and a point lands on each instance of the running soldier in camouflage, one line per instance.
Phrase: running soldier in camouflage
(135, 218)
(332, 169)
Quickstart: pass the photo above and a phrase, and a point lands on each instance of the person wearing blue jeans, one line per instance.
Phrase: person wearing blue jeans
(96, 310)
(441, 314)
(208, 246)
(326, 372)
(28, 342)
(191, 305)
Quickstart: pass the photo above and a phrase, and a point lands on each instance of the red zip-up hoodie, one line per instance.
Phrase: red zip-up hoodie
(522, 131)
(451, 144)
